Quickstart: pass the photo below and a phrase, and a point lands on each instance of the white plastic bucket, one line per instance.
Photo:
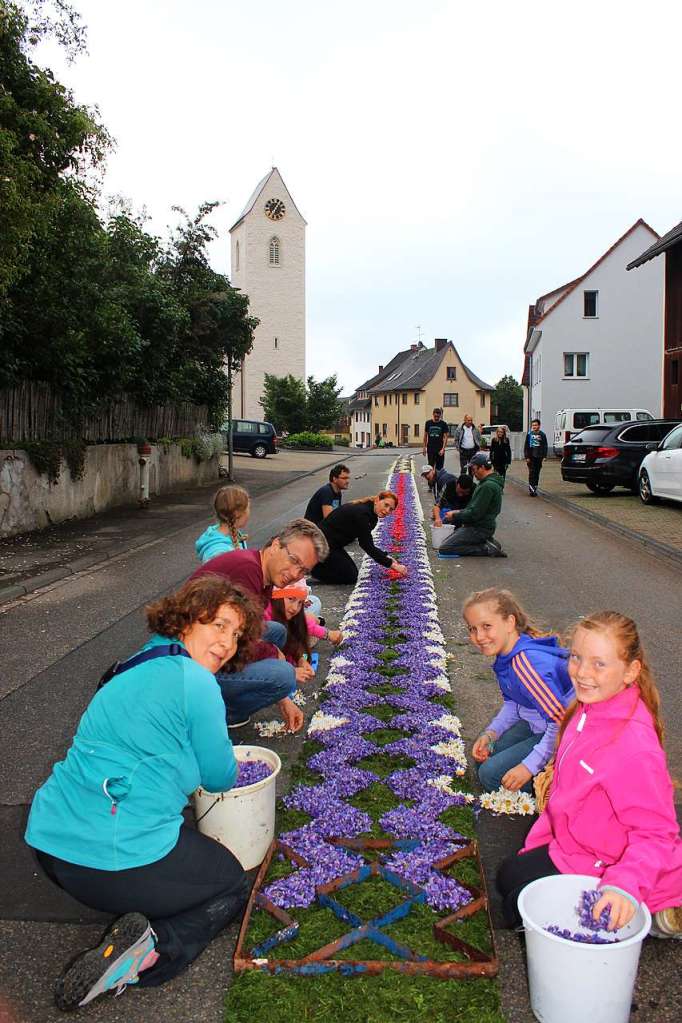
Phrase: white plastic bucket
(242, 819)
(439, 534)
(569, 980)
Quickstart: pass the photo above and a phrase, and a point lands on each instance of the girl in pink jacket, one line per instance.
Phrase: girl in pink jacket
(610, 811)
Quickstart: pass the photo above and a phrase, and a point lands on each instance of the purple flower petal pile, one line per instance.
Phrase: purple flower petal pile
(408, 614)
(251, 771)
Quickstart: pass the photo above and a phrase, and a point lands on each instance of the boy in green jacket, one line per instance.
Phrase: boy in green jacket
(475, 524)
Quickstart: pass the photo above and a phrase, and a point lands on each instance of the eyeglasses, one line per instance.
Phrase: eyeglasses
(296, 561)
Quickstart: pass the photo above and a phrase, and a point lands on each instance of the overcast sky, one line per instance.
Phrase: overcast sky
(453, 160)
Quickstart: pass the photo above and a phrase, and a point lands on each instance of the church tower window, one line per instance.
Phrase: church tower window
(274, 252)
(236, 256)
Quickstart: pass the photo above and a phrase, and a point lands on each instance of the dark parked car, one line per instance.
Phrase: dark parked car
(252, 437)
(607, 456)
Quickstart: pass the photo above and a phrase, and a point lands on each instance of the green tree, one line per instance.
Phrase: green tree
(284, 402)
(323, 407)
(507, 403)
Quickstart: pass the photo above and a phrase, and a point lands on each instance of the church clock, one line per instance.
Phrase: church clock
(275, 209)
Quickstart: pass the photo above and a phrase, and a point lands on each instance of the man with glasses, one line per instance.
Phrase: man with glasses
(327, 498)
(268, 678)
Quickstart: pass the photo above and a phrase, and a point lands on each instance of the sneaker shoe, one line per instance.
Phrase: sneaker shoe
(445, 555)
(116, 962)
(239, 724)
(667, 923)
(532, 491)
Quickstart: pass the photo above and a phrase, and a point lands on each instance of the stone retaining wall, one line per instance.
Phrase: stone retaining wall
(111, 477)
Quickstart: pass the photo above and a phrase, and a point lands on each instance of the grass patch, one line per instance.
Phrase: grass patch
(460, 818)
(289, 820)
(372, 898)
(318, 926)
(302, 775)
(381, 711)
(385, 689)
(387, 998)
(375, 800)
(389, 671)
(383, 764)
(388, 655)
(383, 736)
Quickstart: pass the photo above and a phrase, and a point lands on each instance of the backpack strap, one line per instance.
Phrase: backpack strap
(118, 667)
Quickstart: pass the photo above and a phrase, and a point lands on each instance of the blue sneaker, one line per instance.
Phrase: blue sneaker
(126, 947)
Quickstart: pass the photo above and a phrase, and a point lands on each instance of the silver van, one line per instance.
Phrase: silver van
(569, 420)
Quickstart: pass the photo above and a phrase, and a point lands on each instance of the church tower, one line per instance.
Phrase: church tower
(268, 265)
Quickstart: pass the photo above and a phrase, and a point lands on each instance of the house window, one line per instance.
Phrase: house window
(451, 399)
(416, 429)
(274, 252)
(384, 429)
(376, 400)
(482, 399)
(451, 372)
(417, 397)
(236, 256)
(674, 372)
(590, 304)
(385, 399)
(576, 365)
(276, 343)
(404, 397)
(395, 429)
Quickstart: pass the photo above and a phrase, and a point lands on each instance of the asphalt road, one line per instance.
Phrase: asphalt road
(56, 644)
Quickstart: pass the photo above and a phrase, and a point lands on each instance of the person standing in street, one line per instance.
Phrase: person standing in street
(500, 452)
(535, 452)
(467, 442)
(436, 434)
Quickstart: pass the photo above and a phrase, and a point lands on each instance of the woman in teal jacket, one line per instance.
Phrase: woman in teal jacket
(107, 824)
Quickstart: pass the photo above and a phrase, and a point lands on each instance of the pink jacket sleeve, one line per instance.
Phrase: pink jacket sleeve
(644, 806)
(314, 629)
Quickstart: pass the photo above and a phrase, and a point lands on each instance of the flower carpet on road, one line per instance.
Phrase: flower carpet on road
(385, 761)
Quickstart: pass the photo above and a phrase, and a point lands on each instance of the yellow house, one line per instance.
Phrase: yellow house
(419, 380)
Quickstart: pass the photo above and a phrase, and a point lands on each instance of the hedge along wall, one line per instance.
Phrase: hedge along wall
(111, 477)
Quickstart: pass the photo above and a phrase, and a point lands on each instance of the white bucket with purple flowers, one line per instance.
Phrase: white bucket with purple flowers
(243, 818)
(570, 976)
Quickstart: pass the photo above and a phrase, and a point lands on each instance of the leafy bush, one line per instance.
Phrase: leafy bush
(307, 439)
(342, 442)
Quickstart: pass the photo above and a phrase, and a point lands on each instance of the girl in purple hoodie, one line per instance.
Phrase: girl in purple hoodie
(610, 811)
(532, 672)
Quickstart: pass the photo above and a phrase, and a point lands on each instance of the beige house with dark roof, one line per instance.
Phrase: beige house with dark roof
(405, 392)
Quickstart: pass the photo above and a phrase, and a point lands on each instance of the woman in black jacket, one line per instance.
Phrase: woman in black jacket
(355, 521)
(500, 452)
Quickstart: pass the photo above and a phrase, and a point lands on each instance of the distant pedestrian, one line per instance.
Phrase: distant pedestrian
(435, 439)
(232, 509)
(534, 451)
(328, 497)
(500, 451)
(467, 442)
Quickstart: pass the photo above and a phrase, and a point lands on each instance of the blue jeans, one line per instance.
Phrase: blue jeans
(260, 683)
(510, 749)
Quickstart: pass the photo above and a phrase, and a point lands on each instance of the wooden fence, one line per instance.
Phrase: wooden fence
(33, 411)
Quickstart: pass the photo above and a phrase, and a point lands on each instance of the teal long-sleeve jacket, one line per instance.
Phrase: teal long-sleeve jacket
(146, 741)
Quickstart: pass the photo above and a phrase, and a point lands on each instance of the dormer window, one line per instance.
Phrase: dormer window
(274, 252)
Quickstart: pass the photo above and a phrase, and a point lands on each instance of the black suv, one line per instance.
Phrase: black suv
(252, 437)
(607, 456)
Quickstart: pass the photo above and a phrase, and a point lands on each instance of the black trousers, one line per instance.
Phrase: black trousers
(465, 455)
(189, 896)
(534, 471)
(435, 458)
(338, 568)
(515, 873)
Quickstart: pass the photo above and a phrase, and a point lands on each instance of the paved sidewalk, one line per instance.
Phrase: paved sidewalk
(659, 526)
(33, 560)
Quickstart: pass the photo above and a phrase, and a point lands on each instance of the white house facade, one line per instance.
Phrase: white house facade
(597, 341)
(268, 265)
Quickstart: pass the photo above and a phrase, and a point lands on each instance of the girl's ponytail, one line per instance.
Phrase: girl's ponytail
(230, 502)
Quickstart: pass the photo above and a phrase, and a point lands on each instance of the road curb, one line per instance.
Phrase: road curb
(661, 550)
(86, 561)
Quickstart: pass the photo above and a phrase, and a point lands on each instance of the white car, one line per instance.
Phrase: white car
(660, 474)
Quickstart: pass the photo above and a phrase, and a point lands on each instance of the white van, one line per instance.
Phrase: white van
(569, 420)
